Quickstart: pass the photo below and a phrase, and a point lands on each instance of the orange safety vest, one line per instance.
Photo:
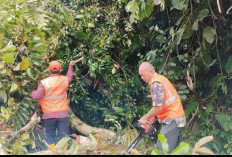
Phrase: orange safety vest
(172, 106)
(55, 98)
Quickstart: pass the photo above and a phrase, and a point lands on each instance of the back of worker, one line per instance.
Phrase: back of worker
(52, 95)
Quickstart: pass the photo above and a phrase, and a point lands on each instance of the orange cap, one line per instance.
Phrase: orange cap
(54, 65)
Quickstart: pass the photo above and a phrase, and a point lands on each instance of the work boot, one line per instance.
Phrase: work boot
(51, 146)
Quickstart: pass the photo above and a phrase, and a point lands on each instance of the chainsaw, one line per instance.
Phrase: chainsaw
(149, 130)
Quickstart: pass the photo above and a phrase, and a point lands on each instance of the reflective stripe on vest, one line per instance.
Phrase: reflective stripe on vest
(171, 97)
(55, 97)
(47, 87)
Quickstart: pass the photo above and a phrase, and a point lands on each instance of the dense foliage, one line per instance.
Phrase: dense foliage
(186, 40)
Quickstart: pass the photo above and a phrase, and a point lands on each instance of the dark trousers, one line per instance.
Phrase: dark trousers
(53, 124)
(173, 135)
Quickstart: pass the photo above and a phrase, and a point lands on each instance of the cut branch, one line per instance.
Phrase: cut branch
(33, 122)
(85, 129)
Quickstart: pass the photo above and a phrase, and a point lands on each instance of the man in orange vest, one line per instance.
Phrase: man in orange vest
(166, 106)
(52, 95)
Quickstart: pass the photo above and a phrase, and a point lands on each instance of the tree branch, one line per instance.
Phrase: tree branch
(34, 120)
(219, 7)
(85, 129)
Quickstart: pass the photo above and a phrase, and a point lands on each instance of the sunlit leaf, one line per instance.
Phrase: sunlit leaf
(14, 88)
(182, 149)
(61, 144)
(8, 58)
(73, 147)
(93, 140)
(10, 101)
(176, 4)
(25, 136)
(133, 7)
(80, 16)
(29, 73)
(195, 25)
(17, 68)
(24, 64)
(113, 70)
(3, 95)
(156, 152)
(2, 64)
(180, 4)
(163, 142)
(8, 48)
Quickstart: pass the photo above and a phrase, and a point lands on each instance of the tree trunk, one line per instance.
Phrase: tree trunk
(85, 129)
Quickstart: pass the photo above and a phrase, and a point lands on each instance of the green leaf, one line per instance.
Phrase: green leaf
(24, 64)
(183, 97)
(182, 87)
(187, 32)
(61, 144)
(172, 64)
(119, 111)
(93, 140)
(29, 73)
(176, 4)
(14, 88)
(133, 7)
(25, 136)
(73, 147)
(8, 58)
(156, 152)
(195, 25)
(180, 4)
(80, 16)
(202, 14)
(209, 34)
(182, 149)
(179, 34)
(8, 48)
(163, 142)
(3, 96)
(2, 64)
(224, 120)
(228, 65)
(146, 11)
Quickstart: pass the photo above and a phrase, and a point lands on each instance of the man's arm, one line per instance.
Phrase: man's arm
(158, 96)
(38, 93)
(153, 112)
(70, 69)
(70, 73)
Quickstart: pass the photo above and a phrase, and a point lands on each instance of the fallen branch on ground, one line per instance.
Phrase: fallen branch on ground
(33, 122)
(85, 129)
